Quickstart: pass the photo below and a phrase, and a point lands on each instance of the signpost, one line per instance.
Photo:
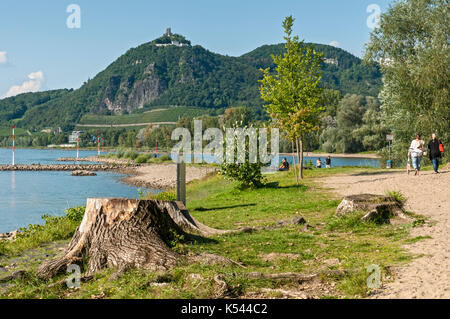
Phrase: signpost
(13, 145)
(98, 140)
(77, 148)
(389, 139)
(181, 182)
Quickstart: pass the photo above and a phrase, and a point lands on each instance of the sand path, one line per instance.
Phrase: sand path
(163, 176)
(428, 194)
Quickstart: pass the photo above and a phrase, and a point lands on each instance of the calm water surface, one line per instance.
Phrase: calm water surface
(25, 196)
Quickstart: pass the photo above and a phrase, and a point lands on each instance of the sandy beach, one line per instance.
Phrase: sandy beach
(427, 276)
(162, 176)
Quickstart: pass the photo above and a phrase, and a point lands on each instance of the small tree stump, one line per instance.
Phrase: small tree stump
(126, 233)
(378, 208)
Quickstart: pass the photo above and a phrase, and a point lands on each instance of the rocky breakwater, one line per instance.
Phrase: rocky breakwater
(67, 167)
(97, 159)
(83, 173)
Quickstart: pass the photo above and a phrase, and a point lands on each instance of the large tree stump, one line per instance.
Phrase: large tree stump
(126, 233)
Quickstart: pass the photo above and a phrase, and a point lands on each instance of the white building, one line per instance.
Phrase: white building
(73, 137)
(332, 61)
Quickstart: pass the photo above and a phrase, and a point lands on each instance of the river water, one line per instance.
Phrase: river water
(26, 196)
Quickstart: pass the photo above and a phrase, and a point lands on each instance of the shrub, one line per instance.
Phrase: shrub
(143, 158)
(131, 155)
(120, 154)
(165, 158)
(247, 174)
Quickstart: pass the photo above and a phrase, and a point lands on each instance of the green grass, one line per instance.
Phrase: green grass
(218, 203)
(54, 229)
(164, 115)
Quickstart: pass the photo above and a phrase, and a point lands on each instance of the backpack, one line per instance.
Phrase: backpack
(441, 147)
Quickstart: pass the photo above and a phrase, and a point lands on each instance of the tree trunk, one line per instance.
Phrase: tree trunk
(293, 161)
(300, 155)
(126, 233)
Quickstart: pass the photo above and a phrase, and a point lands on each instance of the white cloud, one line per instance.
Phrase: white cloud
(3, 58)
(34, 84)
(334, 44)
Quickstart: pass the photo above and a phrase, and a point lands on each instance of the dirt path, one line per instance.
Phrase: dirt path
(429, 195)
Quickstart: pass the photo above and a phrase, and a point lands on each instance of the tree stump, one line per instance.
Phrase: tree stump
(125, 233)
(378, 208)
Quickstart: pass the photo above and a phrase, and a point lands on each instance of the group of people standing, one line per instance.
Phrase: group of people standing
(417, 150)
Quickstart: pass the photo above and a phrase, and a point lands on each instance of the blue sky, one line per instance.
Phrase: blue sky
(39, 52)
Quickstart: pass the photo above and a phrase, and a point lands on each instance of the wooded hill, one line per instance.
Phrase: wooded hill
(152, 75)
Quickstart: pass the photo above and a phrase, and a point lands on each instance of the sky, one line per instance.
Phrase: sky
(53, 44)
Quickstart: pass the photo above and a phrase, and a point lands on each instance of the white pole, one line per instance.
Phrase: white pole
(77, 149)
(14, 146)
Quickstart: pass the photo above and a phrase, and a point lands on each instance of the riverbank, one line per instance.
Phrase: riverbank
(427, 276)
(331, 253)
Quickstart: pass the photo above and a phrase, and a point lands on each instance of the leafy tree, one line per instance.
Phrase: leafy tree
(292, 90)
(412, 46)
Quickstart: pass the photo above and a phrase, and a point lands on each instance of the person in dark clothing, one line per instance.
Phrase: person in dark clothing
(434, 152)
(284, 165)
(328, 162)
(318, 163)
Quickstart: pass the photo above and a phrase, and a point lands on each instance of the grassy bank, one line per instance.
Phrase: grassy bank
(338, 249)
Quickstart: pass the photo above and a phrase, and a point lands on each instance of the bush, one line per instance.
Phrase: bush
(165, 158)
(247, 174)
(143, 158)
(120, 154)
(131, 155)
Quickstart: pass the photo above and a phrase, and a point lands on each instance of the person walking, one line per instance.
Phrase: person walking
(434, 152)
(416, 150)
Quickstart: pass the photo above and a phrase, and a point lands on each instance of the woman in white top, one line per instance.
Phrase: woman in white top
(416, 152)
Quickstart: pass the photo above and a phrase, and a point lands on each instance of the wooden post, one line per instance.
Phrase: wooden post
(181, 182)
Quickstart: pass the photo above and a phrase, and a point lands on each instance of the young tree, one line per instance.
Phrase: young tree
(292, 90)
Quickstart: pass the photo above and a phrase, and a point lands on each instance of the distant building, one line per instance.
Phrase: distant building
(73, 137)
(173, 42)
(331, 61)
